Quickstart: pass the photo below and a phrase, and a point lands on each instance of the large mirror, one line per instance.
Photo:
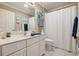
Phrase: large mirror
(7, 20)
(19, 18)
(10, 22)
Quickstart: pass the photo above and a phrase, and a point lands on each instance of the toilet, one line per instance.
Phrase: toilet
(49, 44)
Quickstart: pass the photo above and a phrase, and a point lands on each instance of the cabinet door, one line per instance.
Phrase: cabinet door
(11, 48)
(33, 41)
(33, 50)
(42, 47)
(20, 53)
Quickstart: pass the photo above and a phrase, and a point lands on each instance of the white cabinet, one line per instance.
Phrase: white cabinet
(11, 48)
(33, 46)
(19, 53)
(33, 50)
(42, 47)
(36, 47)
(33, 41)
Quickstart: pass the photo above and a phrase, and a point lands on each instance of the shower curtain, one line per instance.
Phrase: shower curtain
(58, 27)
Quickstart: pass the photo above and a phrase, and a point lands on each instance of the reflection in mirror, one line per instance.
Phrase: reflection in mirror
(12, 22)
(7, 21)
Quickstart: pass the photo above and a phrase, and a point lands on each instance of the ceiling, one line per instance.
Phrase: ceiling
(29, 10)
(53, 5)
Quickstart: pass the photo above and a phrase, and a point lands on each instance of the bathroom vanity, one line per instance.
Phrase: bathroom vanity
(19, 45)
(23, 46)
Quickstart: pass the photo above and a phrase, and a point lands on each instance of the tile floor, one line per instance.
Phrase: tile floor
(59, 52)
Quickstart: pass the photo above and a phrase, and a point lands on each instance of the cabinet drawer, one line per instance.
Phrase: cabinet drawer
(20, 53)
(32, 41)
(10, 48)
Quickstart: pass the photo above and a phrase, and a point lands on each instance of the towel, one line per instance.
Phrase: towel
(75, 26)
(40, 19)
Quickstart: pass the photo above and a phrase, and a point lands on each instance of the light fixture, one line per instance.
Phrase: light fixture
(25, 5)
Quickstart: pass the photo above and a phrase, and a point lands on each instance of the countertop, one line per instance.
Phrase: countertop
(15, 38)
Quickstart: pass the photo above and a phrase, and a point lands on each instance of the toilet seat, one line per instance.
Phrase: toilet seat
(49, 41)
(49, 44)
